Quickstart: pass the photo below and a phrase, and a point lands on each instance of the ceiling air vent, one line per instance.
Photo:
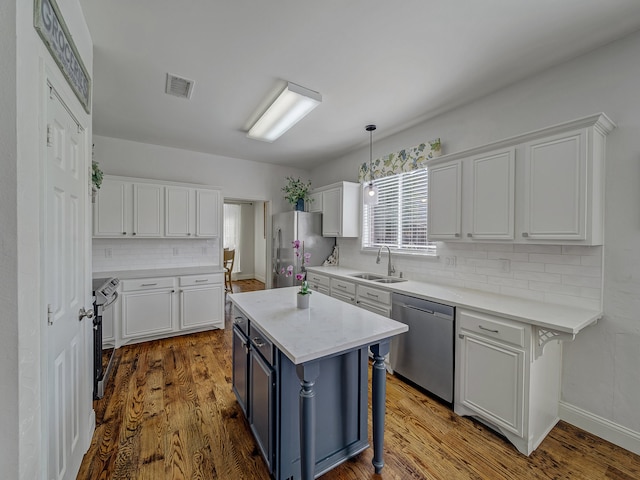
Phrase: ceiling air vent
(180, 87)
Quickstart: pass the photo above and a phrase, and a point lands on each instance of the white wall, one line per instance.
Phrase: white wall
(9, 420)
(600, 370)
(28, 89)
(247, 242)
(238, 179)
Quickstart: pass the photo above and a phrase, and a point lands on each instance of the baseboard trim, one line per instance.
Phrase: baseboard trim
(617, 434)
(261, 278)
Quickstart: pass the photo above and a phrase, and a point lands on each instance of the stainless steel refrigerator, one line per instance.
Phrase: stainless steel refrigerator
(303, 226)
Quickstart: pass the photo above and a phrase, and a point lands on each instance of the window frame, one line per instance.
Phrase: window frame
(400, 181)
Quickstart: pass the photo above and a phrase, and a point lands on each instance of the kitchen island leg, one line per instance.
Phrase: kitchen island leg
(308, 373)
(379, 395)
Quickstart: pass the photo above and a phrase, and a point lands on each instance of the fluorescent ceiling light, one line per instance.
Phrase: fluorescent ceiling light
(291, 106)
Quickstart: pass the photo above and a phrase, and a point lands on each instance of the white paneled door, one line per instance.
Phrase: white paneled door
(67, 385)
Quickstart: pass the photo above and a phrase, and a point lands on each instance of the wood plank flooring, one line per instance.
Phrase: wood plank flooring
(169, 413)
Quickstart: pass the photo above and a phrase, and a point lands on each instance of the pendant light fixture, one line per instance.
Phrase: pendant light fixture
(370, 193)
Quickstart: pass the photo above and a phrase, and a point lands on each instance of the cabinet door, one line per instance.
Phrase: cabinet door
(445, 201)
(112, 210)
(146, 313)
(179, 212)
(200, 307)
(261, 405)
(240, 372)
(148, 219)
(207, 213)
(492, 381)
(555, 187)
(493, 196)
(332, 212)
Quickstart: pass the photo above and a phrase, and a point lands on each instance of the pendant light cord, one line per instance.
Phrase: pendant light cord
(370, 129)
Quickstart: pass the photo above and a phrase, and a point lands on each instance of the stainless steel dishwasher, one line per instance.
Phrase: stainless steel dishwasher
(424, 354)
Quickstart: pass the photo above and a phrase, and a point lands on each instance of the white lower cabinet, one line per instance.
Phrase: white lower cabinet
(160, 307)
(319, 283)
(375, 300)
(500, 380)
(147, 312)
(201, 301)
(343, 290)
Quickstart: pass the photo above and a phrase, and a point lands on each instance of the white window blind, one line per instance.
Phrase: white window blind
(399, 220)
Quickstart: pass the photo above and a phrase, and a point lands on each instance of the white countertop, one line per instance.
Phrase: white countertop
(327, 327)
(159, 272)
(554, 317)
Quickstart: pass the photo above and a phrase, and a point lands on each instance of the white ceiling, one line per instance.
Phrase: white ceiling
(392, 63)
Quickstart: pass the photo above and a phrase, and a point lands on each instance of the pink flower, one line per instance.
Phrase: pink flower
(300, 276)
(289, 270)
(296, 244)
(307, 257)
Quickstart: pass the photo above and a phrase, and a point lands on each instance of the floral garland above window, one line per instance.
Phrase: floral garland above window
(405, 160)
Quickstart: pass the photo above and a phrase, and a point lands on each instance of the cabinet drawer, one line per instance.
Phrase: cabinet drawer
(199, 280)
(317, 281)
(373, 295)
(260, 342)
(493, 327)
(240, 321)
(147, 283)
(341, 286)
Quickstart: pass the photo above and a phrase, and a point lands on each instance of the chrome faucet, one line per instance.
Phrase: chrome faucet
(390, 268)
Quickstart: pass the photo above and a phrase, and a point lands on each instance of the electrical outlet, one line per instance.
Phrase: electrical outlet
(505, 265)
(204, 250)
(107, 253)
(176, 251)
(450, 261)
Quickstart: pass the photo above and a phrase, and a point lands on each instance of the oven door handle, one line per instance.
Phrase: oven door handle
(108, 304)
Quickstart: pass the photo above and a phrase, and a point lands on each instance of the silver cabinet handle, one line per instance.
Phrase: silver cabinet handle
(147, 284)
(488, 329)
(85, 313)
(124, 233)
(133, 233)
(200, 281)
(456, 235)
(258, 342)
(369, 294)
(469, 235)
(525, 234)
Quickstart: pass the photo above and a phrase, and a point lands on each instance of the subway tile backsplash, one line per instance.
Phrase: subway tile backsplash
(132, 254)
(568, 275)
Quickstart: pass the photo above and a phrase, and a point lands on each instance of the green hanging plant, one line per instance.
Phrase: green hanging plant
(96, 175)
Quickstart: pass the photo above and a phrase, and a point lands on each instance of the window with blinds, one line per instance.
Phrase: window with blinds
(399, 220)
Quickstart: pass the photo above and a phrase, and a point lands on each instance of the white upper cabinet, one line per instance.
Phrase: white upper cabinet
(180, 212)
(555, 187)
(207, 213)
(445, 201)
(148, 210)
(493, 195)
(315, 202)
(137, 208)
(113, 209)
(340, 203)
(192, 212)
(542, 187)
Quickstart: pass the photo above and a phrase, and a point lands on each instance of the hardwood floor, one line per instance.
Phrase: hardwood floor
(169, 413)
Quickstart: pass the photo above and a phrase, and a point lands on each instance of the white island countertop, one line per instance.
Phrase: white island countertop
(544, 315)
(327, 327)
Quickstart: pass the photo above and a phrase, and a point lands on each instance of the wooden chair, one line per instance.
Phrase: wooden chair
(229, 256)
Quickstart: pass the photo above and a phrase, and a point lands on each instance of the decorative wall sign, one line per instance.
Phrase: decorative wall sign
(49, 23)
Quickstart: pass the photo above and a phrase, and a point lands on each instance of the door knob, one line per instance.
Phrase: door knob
(85, 313)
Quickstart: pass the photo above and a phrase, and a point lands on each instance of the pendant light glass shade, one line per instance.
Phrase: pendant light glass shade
(370, 192)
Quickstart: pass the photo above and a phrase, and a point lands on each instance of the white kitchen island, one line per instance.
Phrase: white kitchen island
(320, 352)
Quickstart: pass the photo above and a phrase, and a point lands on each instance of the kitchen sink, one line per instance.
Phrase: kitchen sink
(390, 280)
(368, 276)
(378, 278)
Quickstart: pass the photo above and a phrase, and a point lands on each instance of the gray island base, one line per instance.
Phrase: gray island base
(300, 377)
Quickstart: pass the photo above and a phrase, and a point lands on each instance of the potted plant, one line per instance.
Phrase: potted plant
(96, 179)
(436, 147)
(305, 291)
(296, 192)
